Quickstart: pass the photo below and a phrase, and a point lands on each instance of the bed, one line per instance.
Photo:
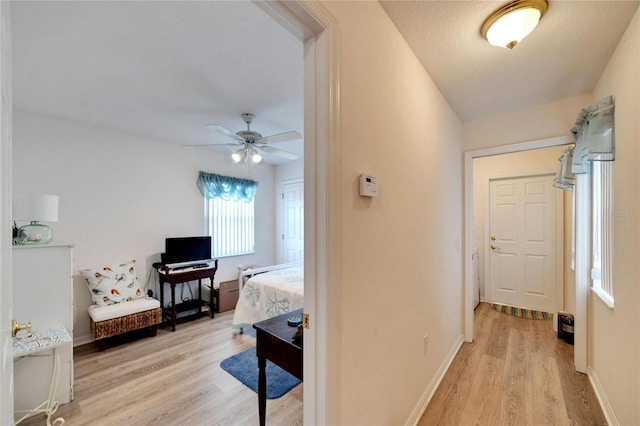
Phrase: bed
(268, 292)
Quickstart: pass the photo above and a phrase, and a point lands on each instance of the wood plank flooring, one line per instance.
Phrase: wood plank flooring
(171, 379)
(516, 372)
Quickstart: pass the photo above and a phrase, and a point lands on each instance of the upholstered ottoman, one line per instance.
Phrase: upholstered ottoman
(112, 320)
(119, 305)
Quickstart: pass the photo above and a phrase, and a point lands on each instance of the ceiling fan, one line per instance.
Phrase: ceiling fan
(251, 142)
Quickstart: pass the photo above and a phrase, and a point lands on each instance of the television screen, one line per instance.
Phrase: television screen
(186, 249)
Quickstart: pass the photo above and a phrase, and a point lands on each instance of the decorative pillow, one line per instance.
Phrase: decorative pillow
(113, 284)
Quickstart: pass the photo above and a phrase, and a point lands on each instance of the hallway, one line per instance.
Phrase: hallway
(516, 372)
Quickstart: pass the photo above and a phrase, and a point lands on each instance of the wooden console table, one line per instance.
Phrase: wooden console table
(175, 277)
(274, 342)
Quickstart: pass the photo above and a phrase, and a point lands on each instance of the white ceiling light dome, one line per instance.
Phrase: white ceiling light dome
(510, 24)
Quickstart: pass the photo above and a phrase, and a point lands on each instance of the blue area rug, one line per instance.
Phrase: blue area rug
(244, 367)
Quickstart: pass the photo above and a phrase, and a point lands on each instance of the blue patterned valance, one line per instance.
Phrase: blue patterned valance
(226, 187)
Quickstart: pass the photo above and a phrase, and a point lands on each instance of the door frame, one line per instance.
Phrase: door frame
(559, 302)
(6, 269)
(580, 329)
(318, 30)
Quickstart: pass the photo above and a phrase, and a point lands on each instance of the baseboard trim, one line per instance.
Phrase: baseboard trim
(607, 409)
(420, 408)
(82, 340)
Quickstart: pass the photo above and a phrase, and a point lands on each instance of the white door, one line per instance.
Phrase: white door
(6, 286)
(525, 224)
(293, 221)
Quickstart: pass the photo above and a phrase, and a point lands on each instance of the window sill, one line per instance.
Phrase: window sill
(608, 300)
(234, 255)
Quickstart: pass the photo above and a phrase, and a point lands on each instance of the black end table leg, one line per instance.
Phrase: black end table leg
(262, 389)
(173, 307)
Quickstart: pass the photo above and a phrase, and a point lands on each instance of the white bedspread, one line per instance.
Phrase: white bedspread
(269, 294)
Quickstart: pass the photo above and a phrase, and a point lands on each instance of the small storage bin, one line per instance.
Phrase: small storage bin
(565, 327)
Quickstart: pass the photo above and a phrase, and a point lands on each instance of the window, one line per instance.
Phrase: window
(602, 230)
(231, 226)
(228, 213)
(593, 155)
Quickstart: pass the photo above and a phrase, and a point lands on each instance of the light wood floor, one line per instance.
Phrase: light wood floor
(171, 379)
(516, 372)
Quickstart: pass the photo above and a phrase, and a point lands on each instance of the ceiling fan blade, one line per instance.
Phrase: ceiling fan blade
(225, 132)
(281, 137)
(280, 152)
(212, 144)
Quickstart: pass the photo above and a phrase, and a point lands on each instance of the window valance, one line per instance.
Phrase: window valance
(594, 134)
(565, 179)
(226, 187)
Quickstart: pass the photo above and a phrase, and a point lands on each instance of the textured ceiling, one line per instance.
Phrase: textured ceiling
(165, 69)
(159, 69)
(563, 57)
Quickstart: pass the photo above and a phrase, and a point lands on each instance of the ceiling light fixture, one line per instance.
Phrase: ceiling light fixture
(509, 25)
(237, 156)
(242, 155)
(255, 157)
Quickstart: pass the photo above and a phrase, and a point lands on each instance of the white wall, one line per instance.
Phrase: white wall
(400, 267)
(121, 195)
(513, 164)
(615, 333)
(529, 124)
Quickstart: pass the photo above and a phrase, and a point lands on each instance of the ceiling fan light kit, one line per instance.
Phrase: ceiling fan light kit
(509, 25)
(243, 154)
(251, 142)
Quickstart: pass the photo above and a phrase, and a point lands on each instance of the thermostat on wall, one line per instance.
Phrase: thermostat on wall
(368, 186)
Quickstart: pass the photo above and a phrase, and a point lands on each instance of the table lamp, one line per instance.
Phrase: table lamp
(35, 208)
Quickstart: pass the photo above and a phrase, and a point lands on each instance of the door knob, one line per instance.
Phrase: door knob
(493, 247)
(493, 238)
(15, 327)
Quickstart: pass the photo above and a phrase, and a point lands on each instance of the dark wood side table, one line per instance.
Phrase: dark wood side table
(274, 343)
(173, 278)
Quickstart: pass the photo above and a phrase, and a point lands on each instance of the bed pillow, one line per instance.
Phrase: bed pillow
(113, 284)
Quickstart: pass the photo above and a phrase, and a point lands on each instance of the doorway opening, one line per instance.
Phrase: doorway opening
(518, 229)
(471, 241)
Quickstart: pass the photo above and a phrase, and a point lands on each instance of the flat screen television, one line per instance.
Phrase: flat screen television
(186, 249)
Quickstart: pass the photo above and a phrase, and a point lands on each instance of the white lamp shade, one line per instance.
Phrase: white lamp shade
(35, 207)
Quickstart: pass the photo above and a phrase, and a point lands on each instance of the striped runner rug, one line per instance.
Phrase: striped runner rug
(521, 312)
